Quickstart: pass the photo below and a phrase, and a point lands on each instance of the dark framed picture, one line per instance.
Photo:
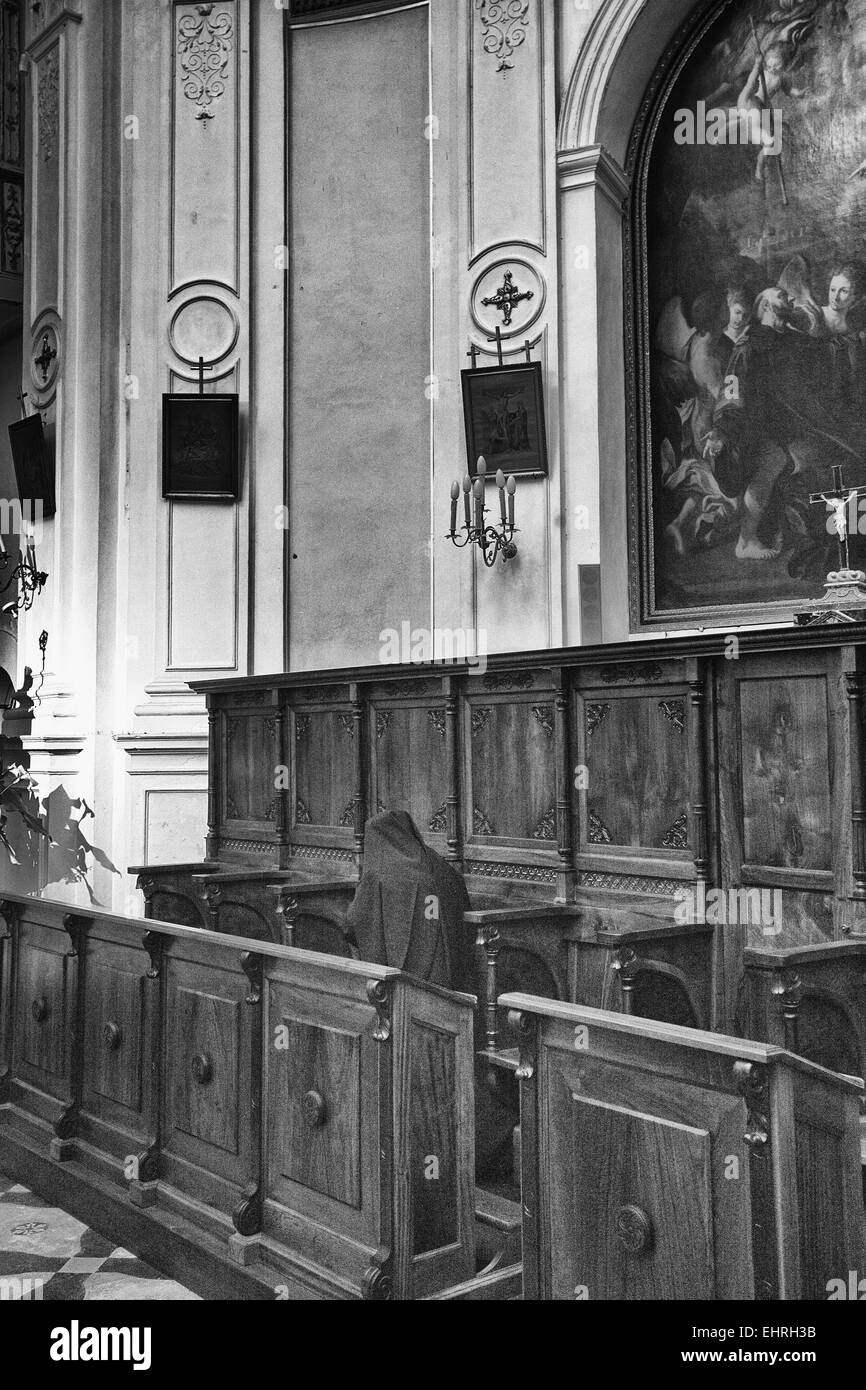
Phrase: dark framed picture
(503, 410)
(200, 446)
(32, 455)
(746, 370)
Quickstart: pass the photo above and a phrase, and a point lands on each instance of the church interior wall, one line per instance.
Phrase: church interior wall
(198, 261)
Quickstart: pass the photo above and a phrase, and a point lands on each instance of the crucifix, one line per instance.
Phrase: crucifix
(507, 297)
(46, 357)
(838, 500)
(844, 597)
(22, 397)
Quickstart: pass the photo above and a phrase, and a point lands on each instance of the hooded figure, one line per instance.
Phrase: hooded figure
(408, 908)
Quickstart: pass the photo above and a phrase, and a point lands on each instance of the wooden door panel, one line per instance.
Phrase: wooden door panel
(204, 1075)
(315, 1109)
(787, 782)
(113, 1033)
(42, 1013)
(433, 1168)
(636, 1197)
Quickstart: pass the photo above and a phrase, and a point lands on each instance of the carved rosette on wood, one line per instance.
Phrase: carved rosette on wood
(546, 827)
(204, 45)
(678, 835)
(674, 712)
(595, 717)
(437, 719)
(598, 833)
(544, 717)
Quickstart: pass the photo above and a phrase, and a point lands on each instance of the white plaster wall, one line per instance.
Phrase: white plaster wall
(525, 166)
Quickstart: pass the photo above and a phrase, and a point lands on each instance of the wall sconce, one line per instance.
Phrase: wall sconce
(490, 539)
(30, 580)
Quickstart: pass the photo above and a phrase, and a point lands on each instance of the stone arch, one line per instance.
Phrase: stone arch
(621, 51)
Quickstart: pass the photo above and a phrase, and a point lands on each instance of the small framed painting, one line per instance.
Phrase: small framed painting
(200, 446)
(503, 410)
(32, 456)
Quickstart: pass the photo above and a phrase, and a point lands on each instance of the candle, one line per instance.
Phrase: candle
(467, 489)
(511, 485)
(500, 483)
(455, 493)
(481, 466)
(478, 494)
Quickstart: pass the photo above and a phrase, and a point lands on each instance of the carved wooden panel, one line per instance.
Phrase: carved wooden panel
(409, 765)
(512, 776)
(787, 776)
(113, 1034)
(636, 754)
(203, 1066)
(315, 1109)
(249, 789)
(42, 1010)
(830, 1204)
(622, 1159)
(324, 767)
(433, 1172)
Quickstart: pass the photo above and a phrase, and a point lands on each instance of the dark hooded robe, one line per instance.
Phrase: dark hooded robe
(408, 913)
(408, 908)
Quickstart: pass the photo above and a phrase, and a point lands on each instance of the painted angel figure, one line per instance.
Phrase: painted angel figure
(830, 323)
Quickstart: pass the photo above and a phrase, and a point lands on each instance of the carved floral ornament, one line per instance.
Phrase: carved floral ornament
(504, 24)
(48, 105)
(204, 43)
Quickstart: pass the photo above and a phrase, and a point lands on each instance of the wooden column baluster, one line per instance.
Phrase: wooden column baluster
(66, 1125)
(491, 940)
(212, 843)
(9, 913)
(453, 852)
(788, 992)
(359, 816)
(854, 691)
(144, 1166)
(698, 762)
(283, 804)
(247, 1215)
(566, 876)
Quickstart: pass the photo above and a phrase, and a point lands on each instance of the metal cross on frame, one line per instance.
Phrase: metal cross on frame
(46, 357)
(507, 297)
(838, 499)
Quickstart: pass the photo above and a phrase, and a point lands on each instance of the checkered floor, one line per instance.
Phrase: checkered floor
(45, 1253)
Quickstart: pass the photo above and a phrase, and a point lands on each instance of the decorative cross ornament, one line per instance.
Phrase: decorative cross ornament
(844, 598)
(506, 297)
(46, 357)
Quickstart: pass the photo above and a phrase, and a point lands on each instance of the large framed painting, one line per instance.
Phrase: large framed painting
(747, 285)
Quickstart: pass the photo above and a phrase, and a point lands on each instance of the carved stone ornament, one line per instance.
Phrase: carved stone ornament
(504, 24)
(204, 43)
(48, 105)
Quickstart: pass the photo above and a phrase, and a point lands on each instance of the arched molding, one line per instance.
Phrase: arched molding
(620, 53)
(611, 88)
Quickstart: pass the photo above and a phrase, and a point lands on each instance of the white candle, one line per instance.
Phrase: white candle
(500, 483)
(455, 493)
(467, 489)
(478, 494)
(511, 485)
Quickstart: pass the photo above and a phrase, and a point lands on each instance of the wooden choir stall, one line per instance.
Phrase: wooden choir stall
(663, 844)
